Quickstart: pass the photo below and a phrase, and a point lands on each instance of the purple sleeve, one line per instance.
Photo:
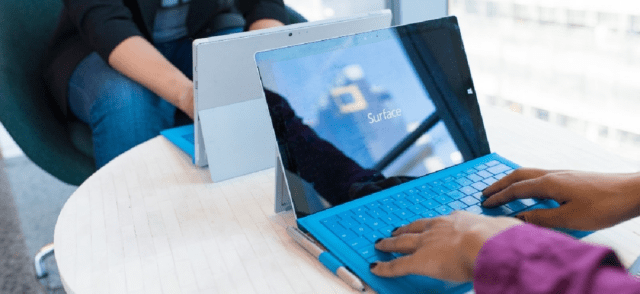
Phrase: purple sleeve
(530, 259)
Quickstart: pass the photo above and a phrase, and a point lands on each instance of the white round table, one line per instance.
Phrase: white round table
(151, 222)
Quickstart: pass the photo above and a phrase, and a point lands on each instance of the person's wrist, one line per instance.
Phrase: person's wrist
(472, 242)
(484, 231)
(631, 189)
(185, 101)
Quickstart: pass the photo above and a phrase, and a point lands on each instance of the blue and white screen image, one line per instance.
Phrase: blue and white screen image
(365, 100)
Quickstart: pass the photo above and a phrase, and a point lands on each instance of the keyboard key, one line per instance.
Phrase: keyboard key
(457, 205)
(500, 210)
(456, 194)
(404, 214)
(479, 186)
(470, 200)
(359, 210)
(448, 179)
(528, 202)
(474, 209)
(430, 214)
(348, 222)
(492, 163)
(443, 199)
(403, 223)
(429, 194)
(435, 182)
(362, 217)
(398, 196)
(461, 175)
(386, 231)
(478, 195)
(386, 201)
(424, 187)
(468, 190)
(331, 220)
(376, 224)
(372, 205)
(389, 208)
(440, 190)
(500, 176)
(464, 182)
(443, 210)
(452, 185)
(516, 205)
(361, 229)
(417, 209)
(508, 171)
(481, 166)
(373, 236)
(485, 174)
(358, 243)
(381, 256)
(345, 215)
(376, 212)
(402, 203)
(341, 232)
(411, 191)
(391, 219)
(470, 171)
(346, 236)
(489, 181)
(498, 169)
(430, 204)
(474, 178)
(415, 199)
(367, 251)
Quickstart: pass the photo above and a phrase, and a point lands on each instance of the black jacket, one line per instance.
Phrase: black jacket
(86, 26)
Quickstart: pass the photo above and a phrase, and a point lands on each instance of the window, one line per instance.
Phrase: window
(576, 18)
(493, 10)
(322, 9)
(542, 114)
(634, 24)
(471, 6)
(547, 15)
(575, 64)
(522, 12)
(608, 20)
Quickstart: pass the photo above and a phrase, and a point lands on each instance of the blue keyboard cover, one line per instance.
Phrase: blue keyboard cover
(352, 228)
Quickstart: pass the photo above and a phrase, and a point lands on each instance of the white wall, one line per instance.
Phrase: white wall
(410, 11)
(8, 147)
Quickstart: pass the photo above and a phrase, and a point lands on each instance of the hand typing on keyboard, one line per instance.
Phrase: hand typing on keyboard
(588, 201)
(443, 247)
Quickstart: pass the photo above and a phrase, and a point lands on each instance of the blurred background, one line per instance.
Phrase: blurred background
(574, 64)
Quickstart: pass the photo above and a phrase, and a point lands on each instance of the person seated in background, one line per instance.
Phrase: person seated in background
(505, 255)
(125, 67)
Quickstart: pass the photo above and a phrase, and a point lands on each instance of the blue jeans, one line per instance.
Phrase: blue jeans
(121, 112)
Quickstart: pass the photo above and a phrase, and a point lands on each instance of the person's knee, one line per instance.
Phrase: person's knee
(124, 115)
(130, 110)
(131, 101)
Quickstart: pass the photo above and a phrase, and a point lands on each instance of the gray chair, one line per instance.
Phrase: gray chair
(59, 145)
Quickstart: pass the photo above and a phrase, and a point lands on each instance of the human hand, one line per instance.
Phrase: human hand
(265, 23)
(588, 201)
(444, 247)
